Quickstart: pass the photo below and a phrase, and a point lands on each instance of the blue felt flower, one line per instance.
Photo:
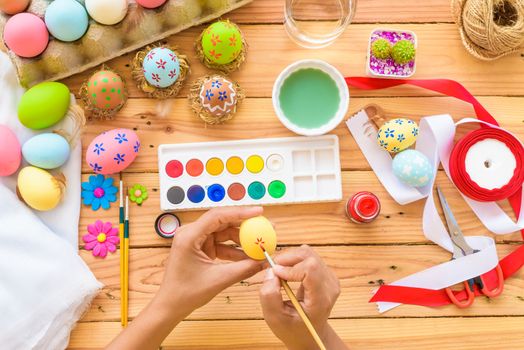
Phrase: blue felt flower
(99, 192)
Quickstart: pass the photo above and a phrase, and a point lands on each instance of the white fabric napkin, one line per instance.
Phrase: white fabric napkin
(44, 285)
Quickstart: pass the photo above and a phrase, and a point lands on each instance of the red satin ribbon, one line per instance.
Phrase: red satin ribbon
(511, 263)
(461, 178)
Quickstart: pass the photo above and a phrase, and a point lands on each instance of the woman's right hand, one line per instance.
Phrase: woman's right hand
(318, 292)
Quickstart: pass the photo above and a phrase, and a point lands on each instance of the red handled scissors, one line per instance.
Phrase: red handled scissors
(461, 249)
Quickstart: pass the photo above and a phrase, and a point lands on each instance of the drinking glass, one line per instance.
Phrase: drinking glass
(315, 24)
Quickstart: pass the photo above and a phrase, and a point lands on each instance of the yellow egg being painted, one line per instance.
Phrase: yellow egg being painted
(398, 134)
(255, 232)
(39, 189)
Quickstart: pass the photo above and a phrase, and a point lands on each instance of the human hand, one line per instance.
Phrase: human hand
(193, 276)
(317, 293)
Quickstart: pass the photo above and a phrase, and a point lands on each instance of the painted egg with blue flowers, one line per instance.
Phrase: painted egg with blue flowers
(161, 67)
(398, 134)
(218, 96)
(413, 168)
(112, 151)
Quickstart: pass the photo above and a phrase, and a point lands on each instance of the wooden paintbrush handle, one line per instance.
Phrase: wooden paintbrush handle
(303, 315)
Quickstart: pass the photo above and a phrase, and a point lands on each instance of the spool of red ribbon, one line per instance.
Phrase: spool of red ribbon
(495, 147)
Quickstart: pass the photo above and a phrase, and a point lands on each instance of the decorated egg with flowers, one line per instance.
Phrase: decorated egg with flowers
(215, 98)
(161, 67)
(222, 46)
(413, 168)
(112, 151)
(104, 93)
(160, 72)
(398, 134)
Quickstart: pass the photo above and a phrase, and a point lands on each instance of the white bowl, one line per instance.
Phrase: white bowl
(334, 74)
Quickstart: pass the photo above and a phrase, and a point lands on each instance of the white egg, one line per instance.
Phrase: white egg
(107, 12)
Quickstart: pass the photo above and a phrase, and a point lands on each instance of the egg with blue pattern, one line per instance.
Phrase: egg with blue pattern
(161, 67)
(112, 151)
(398, 134)
(413, 168)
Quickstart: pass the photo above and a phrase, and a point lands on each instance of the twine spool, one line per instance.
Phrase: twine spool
(490, 29)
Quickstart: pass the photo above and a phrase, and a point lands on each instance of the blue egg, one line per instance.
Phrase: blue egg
(46, 151)
(66, 20)
(161, 67)
(413, 168)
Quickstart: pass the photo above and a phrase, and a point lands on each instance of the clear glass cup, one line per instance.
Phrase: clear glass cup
(314, 24)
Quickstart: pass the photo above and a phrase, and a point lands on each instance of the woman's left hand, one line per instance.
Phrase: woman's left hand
(193, 276)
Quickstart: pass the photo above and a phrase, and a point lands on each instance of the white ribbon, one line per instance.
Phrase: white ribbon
(435, 140)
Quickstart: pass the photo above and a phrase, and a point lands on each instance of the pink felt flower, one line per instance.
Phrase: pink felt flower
(102, 237)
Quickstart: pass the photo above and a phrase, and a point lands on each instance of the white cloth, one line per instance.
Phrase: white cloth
(44, 284)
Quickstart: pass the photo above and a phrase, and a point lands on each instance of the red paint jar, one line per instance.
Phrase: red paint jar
(363, 207)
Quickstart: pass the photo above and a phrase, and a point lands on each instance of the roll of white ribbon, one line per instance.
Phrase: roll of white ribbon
(490, 164)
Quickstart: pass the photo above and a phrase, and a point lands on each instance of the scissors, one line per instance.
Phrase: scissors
(460, 250)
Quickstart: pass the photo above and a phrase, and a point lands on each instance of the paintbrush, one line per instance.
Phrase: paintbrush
(122, 253)
(296, 304)
(126, 263)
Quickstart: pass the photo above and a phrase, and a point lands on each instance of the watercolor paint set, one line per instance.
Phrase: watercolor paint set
(249, 172)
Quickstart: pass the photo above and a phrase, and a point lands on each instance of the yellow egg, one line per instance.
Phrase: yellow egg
(255, 232)
(398, 134)
(39, 189)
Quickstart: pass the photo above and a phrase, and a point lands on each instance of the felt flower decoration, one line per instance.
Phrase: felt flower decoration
(101, 238)
(138, 194)
(99, 192)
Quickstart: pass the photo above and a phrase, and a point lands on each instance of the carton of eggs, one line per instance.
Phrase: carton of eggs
(26, 35)
(413, 168)
(255, 232)
(160, 71)
(10, 153)
(221, 46)
(104, 94)
(107, 12)
(112, 151)
(46, 151)
(215, 98)
(397, 135)
(44, 105)
(39, 189)
(66, 20)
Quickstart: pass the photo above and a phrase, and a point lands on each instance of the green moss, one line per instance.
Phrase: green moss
(381, 49)
(403, 51)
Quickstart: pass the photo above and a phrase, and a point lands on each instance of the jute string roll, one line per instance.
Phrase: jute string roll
(490, 29)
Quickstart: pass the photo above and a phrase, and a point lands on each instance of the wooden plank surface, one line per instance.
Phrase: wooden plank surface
(480, 333)
(362, 256)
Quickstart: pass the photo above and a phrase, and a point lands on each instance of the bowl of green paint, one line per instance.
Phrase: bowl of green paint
(310, 97)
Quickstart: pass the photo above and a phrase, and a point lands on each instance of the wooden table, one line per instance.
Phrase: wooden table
(362, 256)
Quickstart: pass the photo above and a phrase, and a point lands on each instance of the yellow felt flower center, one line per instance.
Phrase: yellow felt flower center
(101, 237)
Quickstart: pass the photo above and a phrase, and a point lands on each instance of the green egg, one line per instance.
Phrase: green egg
(44, 105)
(222, 42)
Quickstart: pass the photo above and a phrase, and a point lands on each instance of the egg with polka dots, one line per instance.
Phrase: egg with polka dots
(397, 135)
(412, 168)
(161, 67)
(106, 90)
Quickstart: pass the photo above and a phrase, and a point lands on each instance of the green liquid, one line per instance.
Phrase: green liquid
(309, 98)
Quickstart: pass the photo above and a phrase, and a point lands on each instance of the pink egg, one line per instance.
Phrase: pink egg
(26, 35)
(151, 4)
(112, 151)
(10, 152)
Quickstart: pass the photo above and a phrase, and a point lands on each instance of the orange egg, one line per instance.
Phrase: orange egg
(106, 90)
(218, 96)
(12, 7)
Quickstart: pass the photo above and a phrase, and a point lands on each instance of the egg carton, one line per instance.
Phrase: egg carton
(102, 43)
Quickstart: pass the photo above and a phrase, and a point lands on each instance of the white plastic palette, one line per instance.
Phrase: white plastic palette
(253, 172)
